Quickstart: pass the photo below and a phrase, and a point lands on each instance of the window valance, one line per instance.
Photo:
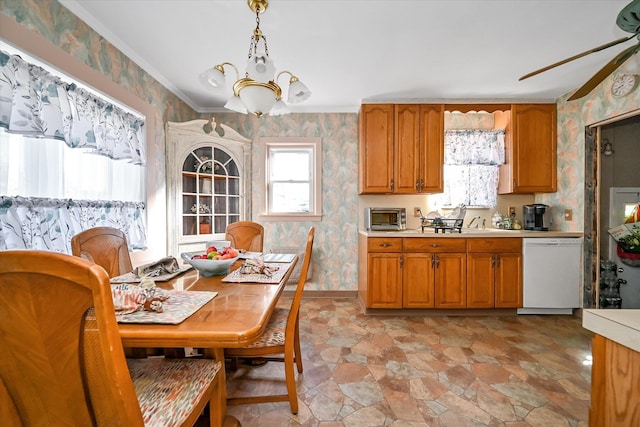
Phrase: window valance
(474, 147)
(34, 102)
(49, 224)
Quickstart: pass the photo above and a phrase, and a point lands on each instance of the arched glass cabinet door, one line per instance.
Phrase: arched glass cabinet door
(211, 192)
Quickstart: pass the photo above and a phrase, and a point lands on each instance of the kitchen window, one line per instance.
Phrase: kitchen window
(471, 161)
(292, 179)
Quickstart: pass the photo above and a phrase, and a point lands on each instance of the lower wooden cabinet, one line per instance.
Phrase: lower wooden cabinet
(380, 272)
(385, 280)
(615, 384)
(419, 276)
(450, 280)
(440, 273)
(494, 269)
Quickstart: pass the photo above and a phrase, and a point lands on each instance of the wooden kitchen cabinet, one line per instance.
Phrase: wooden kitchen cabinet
(494, 269)
(418, 148)
(401, 148)
(615, 384)
(375, 148)
(445, 273)
(380, 281)
(530, 144)
(418, 281)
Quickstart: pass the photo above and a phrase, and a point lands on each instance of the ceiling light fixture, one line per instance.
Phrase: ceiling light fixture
(258, 91)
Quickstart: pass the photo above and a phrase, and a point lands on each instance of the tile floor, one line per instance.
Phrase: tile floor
(400, 371)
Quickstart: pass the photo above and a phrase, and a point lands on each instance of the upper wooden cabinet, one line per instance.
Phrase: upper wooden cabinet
(401, 148)
(375, 149)
(530, 150)
(418, 148)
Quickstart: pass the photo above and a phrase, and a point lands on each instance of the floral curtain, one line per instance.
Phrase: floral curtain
(471, 159)
(49, 224)
(34, 102)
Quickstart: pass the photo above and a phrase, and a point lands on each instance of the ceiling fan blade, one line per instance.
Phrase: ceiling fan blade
(611, 66)
(580, 55)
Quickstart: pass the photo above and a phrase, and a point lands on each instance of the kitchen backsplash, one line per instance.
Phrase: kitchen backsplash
(422, 201)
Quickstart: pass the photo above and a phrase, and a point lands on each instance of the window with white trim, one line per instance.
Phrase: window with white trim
(292, 179)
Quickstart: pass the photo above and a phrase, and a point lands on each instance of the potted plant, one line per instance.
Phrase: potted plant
(629, 246)
(203, 210)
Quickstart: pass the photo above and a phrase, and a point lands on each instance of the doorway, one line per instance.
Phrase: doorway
(612, 155)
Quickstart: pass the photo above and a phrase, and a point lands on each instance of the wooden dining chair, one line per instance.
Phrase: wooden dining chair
(280, 342)
(62, 361)
(245, 235)
(106, 246)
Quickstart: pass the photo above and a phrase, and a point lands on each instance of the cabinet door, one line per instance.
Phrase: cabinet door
(508, 280)
(406, 149)
(480, 280)
(385, 280)
(431, 148)
(450, 280)
(531, 162)
(375, 149)
(418, 281)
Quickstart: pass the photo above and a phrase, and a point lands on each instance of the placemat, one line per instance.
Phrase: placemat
(237, 277)
(132, 278)
(179, 306)
(273, 257)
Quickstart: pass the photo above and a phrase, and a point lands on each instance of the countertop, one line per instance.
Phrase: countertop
(471, 232)
(620, 326)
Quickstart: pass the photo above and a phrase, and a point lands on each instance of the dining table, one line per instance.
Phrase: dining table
(237, 316)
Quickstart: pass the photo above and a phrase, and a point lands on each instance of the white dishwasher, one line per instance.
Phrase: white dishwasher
(552, 274)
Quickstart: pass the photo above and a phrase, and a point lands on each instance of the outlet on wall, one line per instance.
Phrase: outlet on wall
(512, 211)
(568, 215)
(416, 212)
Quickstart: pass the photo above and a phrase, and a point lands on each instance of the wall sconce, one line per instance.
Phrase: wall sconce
(607, 147)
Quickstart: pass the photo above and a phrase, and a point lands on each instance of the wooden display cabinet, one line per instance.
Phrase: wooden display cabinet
(209, 183)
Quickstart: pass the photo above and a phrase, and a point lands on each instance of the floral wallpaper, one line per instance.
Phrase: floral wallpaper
(572, 118)
(335, 259)
(335, 248)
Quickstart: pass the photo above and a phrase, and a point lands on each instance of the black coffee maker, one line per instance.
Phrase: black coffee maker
(536, 217)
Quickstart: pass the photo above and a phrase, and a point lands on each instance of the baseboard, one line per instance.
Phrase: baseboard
(322, 294)
(440, 312)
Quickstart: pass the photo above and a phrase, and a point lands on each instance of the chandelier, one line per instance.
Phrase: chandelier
(258, 91)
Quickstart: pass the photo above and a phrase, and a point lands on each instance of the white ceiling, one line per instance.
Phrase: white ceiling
(350, 51)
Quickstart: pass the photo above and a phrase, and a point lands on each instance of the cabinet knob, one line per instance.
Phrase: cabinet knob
(385, 245)
(434, 245)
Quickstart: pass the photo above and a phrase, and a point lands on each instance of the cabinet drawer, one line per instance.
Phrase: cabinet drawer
(384, 244)
(509, 244)
(418, 244)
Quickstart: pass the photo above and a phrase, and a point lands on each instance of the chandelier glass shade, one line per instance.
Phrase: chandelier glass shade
(258, 91)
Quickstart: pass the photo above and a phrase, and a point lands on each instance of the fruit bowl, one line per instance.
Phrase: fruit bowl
(208, 267)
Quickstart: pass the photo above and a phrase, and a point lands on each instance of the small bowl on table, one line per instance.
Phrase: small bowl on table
(208, 267)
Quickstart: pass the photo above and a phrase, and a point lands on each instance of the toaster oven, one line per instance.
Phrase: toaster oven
(385, 219)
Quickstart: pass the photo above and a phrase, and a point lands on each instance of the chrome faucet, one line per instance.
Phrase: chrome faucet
(472, 221)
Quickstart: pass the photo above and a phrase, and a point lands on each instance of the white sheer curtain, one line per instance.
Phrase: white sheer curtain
(69, 160)
(471, 159)
(37, 167)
